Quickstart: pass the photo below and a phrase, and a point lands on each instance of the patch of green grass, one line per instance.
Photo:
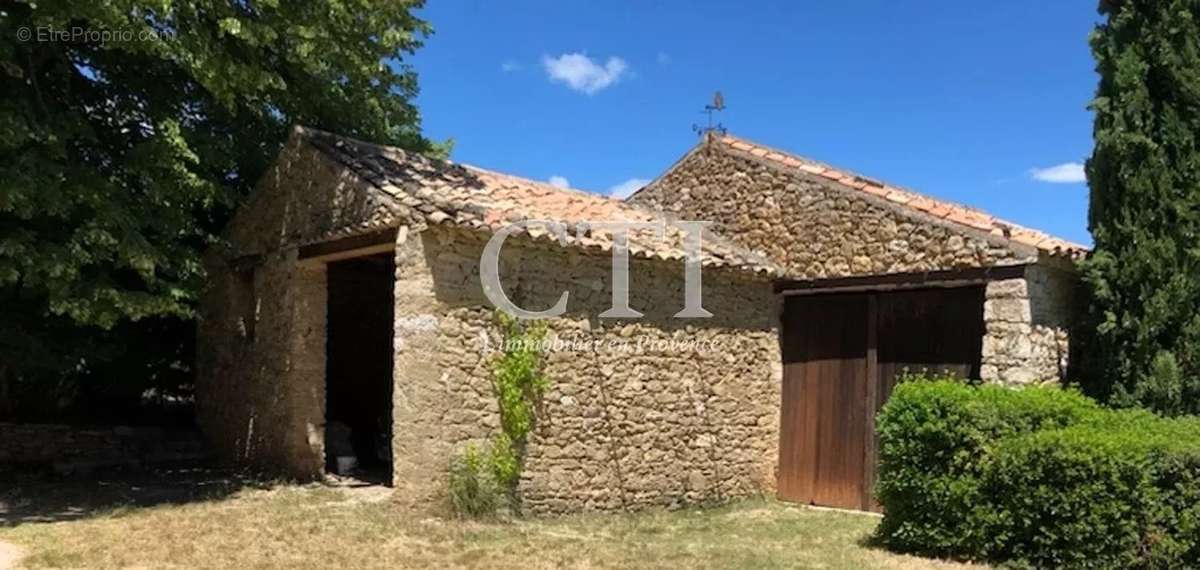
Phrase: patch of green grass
(316, 527)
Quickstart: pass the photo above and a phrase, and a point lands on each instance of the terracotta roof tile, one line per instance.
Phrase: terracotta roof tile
(948, 211)
(922, 203)
(940, 209)
(897, 197)
(448, 193)
(875, 189)
(973, 219)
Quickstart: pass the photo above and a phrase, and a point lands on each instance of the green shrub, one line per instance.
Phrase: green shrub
(1037, 476)
(474, 491)
(1095, 494)
(932, 436)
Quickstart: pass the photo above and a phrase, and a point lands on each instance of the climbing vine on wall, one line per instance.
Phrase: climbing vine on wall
(519, 383)
(478, 477)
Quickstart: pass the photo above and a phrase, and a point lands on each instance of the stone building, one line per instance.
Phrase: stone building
(349, 301)
(832, 229)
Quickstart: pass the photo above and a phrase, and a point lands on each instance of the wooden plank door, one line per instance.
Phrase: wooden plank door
(932, 331)
(822, 448)
(843, 354)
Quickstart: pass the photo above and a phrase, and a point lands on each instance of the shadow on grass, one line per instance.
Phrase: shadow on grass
(37, 497)
(876, 541)
(873, 541)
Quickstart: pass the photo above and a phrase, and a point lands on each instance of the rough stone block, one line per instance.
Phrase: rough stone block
(1019, 375)
(1007, 288)
(1007, 310)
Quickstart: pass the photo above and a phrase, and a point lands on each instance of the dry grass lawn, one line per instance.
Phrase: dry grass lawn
(322, 527)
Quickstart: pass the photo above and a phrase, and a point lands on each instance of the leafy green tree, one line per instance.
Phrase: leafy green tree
(1144, 277)
(129, 129)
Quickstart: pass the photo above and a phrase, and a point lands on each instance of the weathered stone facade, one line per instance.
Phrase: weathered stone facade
(811, 227)
(261, 337)
(647, 424)
(1027, 322)
(260, 354)
(650, 411)
(816, 228)
(630, 420)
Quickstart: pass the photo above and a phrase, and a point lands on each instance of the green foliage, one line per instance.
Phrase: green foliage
(120, 158)
(1143, 280)
(932, 435)
(474, 492)
(1038, 476)
(1106, 493)
(504, 461)
(1163, 389)
(519, 384)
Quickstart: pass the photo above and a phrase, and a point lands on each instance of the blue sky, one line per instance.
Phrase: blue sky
(957, 100)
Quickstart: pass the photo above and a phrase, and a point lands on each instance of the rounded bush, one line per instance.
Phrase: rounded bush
(1037, 476)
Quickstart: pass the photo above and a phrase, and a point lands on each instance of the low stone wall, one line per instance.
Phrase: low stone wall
(79, 449)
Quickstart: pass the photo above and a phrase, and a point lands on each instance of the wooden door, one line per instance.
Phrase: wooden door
(931, 331)
(843, 354)
(822, 437)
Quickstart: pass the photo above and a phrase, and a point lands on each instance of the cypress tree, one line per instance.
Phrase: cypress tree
(1142, 334)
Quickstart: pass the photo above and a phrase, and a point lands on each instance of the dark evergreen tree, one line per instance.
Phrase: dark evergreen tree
(1142, 333)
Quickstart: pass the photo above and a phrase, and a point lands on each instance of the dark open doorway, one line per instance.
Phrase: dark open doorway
(358, 370)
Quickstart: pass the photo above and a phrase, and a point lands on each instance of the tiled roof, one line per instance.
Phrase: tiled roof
(948, 211)
(443, 192)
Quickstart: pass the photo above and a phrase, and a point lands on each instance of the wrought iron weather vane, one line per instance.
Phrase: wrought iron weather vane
(718, 105)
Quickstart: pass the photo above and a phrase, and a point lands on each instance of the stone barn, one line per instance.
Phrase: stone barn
(348, 311)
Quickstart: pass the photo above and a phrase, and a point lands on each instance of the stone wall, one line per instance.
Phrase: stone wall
(80, 449)
(260, 365)
(306, 196)
(260, 354)
(626, 428)
(1027, 322)
(653, 426)
(814, 228)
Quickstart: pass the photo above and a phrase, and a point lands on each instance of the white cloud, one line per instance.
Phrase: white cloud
(663, 58)
(559, 181)
(623, 190)
(1065, 173)
(581, 73)
(509, 66)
